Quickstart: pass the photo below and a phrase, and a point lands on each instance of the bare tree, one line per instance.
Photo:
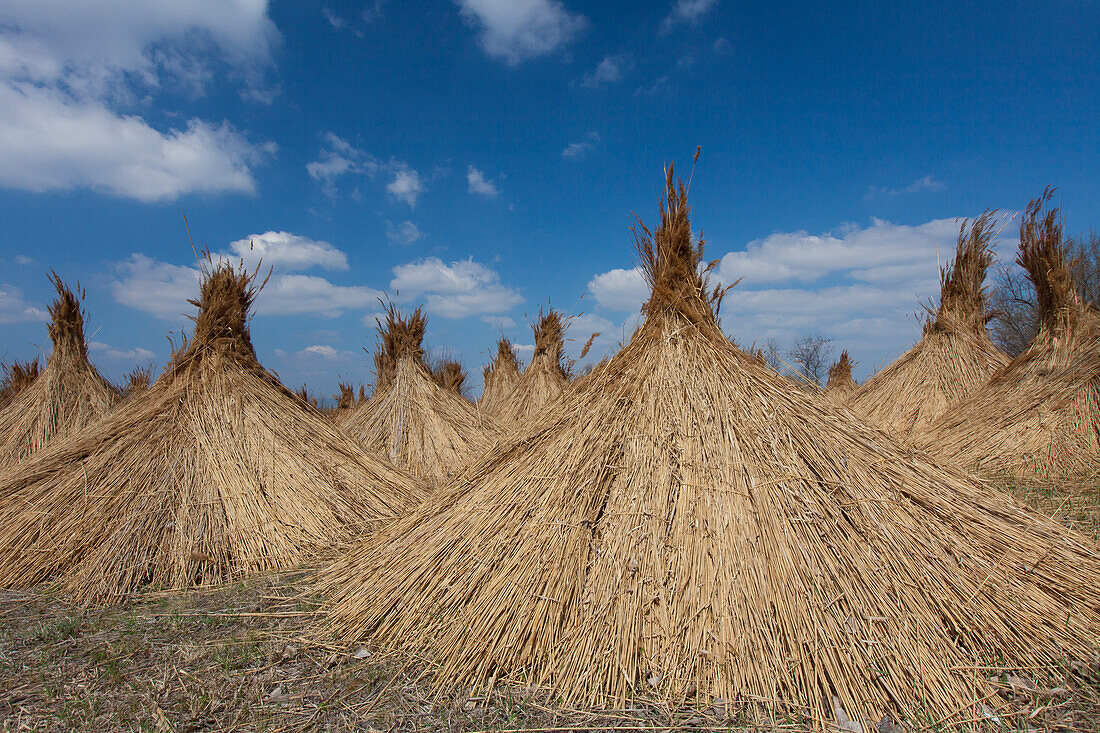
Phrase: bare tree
(810, 354)
(770, 350)
(1016, 316)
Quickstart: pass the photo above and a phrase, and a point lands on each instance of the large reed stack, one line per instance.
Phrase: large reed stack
(499, 378)
(544, 380)
(688, 525)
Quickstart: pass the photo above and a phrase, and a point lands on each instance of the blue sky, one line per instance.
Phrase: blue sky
(484, 157)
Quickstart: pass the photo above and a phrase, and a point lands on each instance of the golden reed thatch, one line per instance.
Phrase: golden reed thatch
(214, 471)
(450, 375)
(69, 393)
(428, 430)
(544, 379)
(689, 525)
(955, 356)
(840, 384)
(499, 378)
(1039, 416)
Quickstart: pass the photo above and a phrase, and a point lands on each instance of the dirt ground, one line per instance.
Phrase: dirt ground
(233, 659)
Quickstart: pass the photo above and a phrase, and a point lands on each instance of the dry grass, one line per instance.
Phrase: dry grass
(17, 375)
(840, 385)
(138, 381)
(68, 395)
(215, 471)
(419, 426)
(688, 527)
(499, 378)
(544, 380)
(1038, 417)
(955, 356)
(450, 375)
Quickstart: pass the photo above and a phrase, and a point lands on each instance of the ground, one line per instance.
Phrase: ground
(234, 659)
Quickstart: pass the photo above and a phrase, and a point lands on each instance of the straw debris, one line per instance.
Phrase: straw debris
(687, 526)
(68, 395)
(955, 356)
(216, 470)
(1039, 416)
(424, 428)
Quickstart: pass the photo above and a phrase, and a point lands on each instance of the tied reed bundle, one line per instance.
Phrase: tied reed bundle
(1039, 416)
(17, 375)
(68, 395)
(500, 378)
(450, 375)
(138, 380)
(690, 526)
(840, 384)
(214, 471)
(544, 380)
(955, 356)
(426, 429)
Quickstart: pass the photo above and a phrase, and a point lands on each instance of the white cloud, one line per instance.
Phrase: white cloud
(24, 260)
(108, 353)
(67, 66)
(517, 30)
(406, 185)
(580, 149)
(286, 252)
(155, 287)
(479, 184)
(334, 20)
(326, 352)
(723, 46)
(499, 321)
(455, 290)
(13, 309)
(881, 252)
(661, 85)
(686, 11)
(620, 290)
(610, 70)
(924, 183)
(301, 294)
(404, 233)
(339, 158)
(49, 141)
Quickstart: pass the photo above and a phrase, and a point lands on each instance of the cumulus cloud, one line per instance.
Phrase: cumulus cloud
(50, 142)
(620, 290)
(579, 149)
(67, 67)
(686, 11)
(107, 353)
(14, 309)
(163, 289)
(455, 290)
(610, 70)
(860, 286)
(924, 183)
(517, 30)
(477, 183)
(406, 185)
(286, 252)
(404, 233)
(339, 158)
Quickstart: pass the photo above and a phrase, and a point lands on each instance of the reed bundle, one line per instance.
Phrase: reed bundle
(499, 378)
(214, 471)
(840, 385)
(955, 356)
(17, 375)
(689, 526)
(450, 375)
(1038, 417)
(428, 430)
(544, 379)
(68, 395)
(138, 380)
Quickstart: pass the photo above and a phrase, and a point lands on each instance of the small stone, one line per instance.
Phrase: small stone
(360, 653)
(277, 692)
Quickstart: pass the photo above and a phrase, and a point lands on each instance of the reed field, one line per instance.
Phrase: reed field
(680, 538)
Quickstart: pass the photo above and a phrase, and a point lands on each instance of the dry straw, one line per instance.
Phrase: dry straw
(1039, 416)
(840, 385)
(68, 395)
(214, 471)
(544, 380)
(450, 375)
(955, 356)
(17, 375)
(428, 430)
(689, 526)
(499, 378)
